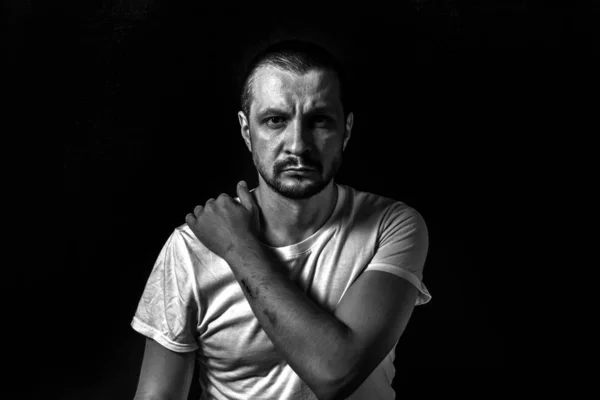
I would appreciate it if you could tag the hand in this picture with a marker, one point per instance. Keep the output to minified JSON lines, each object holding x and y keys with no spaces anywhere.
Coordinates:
{"x":224,"y":224}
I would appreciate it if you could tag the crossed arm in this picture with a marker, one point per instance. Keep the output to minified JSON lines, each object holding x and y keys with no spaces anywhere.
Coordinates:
{"x":332,"y":354}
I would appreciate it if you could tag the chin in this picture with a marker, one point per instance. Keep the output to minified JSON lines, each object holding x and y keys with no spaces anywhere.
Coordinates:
{"x":298,"y":189}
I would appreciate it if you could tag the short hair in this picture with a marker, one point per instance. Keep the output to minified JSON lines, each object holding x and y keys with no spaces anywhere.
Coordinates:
{"x":295,"y":56}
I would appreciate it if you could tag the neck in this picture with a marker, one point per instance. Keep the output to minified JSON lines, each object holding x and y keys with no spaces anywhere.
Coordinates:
{"x":285,"y":222}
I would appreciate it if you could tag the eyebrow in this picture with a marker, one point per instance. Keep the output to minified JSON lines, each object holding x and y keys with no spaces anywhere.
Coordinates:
{"x":279,"y":111}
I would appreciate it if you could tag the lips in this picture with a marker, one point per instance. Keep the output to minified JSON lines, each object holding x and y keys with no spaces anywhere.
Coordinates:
{"x":300,"y":169}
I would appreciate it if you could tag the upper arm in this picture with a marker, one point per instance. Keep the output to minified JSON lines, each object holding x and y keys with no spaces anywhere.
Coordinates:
{"x":165,"y":374}
{"x":376,"y":309}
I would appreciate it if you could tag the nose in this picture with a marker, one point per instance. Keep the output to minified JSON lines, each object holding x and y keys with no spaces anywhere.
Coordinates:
{"x":299,"y":139}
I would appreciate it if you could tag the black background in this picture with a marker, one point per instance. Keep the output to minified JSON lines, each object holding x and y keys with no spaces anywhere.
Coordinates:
{"x":452,"y":101}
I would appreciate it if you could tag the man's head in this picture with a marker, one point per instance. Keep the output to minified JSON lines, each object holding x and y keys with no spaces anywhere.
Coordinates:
{"x":295,"y":113}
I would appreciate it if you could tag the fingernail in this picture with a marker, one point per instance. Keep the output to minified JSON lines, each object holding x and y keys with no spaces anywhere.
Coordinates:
{"x":242,"y":183}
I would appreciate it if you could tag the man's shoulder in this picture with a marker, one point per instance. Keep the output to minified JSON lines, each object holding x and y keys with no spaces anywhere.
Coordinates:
{"x":184,"y":231}
{"x":183,"y":240}
{"x":377,"y":204}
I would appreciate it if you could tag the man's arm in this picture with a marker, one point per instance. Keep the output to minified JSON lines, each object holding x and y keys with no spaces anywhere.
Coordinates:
{"x":376,"y":308}
{"x":332,"y":354}
{"x":165,"y":374}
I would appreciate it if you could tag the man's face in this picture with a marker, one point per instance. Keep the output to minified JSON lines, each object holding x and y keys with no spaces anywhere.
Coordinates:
{"x":296,"y":122}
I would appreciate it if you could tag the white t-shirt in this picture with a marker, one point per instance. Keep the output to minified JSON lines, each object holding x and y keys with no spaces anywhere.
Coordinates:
{"x":192,"y":301}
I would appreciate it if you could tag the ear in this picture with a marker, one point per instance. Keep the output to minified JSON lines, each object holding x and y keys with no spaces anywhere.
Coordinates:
{"x":245,"y":129}
{"x":348,"y":133}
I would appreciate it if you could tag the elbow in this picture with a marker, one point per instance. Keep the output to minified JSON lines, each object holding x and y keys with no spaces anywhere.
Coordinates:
{"x":334,"y":392}
{"x":338,"y":387}
{"x":328,"y":393}
{"x":342,"y":377}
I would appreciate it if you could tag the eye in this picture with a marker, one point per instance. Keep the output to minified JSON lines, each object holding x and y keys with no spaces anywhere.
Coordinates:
{"x":275,"y":122}
{"x":322,"y":121}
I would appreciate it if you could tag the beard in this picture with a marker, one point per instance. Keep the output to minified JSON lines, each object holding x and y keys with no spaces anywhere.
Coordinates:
{"x":298,"y":186}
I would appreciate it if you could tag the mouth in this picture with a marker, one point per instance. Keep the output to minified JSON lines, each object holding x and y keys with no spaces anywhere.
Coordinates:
{"x":300,"y":170}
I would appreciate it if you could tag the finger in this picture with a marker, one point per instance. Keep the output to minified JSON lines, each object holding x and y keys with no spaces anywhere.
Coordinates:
{"x":209,"y":202}
{"x":223,"y":196}
{"x":190,"y":219}
{"x":198,"y":210}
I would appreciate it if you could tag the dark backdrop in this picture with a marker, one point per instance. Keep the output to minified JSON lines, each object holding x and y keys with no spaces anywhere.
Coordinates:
{"x":451,"y":101}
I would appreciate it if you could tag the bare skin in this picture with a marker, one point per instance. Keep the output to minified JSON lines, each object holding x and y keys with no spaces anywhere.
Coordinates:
{"x":295,"y":121}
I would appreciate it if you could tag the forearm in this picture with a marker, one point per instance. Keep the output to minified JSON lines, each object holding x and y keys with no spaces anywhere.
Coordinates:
{"x":311,"y":340}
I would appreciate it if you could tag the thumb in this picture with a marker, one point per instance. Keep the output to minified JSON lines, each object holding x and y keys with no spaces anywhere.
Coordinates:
{"x":245,"y":196}
{"x":248,"y":201}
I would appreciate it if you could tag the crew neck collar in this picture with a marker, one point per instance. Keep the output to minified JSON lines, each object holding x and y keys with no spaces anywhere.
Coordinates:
{"x":303,"y":246}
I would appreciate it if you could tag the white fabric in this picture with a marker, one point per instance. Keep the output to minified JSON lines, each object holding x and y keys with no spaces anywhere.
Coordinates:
{"x":192,"y":301}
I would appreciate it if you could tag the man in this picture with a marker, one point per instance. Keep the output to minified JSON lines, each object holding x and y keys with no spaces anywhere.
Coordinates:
{"x":299,"y":288}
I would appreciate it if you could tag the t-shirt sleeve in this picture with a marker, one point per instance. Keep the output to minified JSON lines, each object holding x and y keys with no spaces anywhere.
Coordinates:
{"x":402,"y":247}
{"x":168,"y":309}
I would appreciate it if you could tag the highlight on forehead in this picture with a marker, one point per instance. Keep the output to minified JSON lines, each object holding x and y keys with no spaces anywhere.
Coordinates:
{"x":277,"y":87}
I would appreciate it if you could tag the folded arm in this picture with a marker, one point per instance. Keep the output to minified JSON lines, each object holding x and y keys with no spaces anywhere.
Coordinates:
{"x":332,"y":354}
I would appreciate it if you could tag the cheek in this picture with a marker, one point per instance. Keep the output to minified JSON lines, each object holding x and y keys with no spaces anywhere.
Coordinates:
{"x":332,"y":145}
{"x":263,"y":152}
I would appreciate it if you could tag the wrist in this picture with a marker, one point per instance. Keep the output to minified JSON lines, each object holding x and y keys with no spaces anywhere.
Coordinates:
{"x":244,"y":250}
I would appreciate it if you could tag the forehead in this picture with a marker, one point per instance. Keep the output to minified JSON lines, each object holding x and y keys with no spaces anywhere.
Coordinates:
{"x":274,"y":87}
